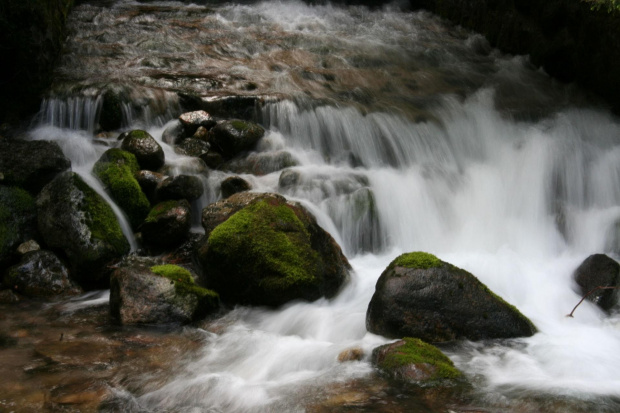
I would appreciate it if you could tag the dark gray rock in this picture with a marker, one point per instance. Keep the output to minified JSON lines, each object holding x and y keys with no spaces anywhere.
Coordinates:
{"x":193,"y":147}
{"x":167,"y":224}
{"x":40,"y":274}
{"x":145,"y":293}
{"x":420,"y":296}
{"x":599,"y":270}
{"x":149,"y":181}
{"x":145,"y":148}
{"x":180,"y":187}
{"x":191,"y":121}
{"x":260,"y":164}
{"x":73,"y":218}
{"x":231,"y":137}
{"x":30,"y":164}
{"x":233,"y":185}
{"x":18,"y":221}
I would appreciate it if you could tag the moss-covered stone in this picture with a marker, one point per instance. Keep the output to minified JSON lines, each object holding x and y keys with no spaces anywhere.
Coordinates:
{"x":72,"y":217}
{"x":17,"y":220}
{"x":267,"y":251}
{"x":167,"y":224}
{"x":184,"y":284}
{"x":416,"y":260}
{"x":413,"y":360}
{"x":116,"y":170}
{"x":420,"y":296}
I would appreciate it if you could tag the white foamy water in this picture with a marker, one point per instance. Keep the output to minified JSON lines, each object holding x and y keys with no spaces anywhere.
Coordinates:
{"x":442,"y":145}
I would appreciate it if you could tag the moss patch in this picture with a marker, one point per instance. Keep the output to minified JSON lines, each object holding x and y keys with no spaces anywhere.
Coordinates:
{"x":240,"y":125}
{"x":100,"y":218}
{"x":416,"y":351}
{"x":262,"y":230}
{"x":160,"y":210}
{"x":184,"y":284}
{"x":422,"y":260}
{"x":116,"y":170}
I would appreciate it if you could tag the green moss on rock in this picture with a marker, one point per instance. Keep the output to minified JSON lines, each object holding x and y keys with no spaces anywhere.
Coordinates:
{"x":413,"y":360}
{"x":422,"y":260}
{"x":184,"y":286}
{"x":160,"y":209}
{"x":100,"y":218}
{"x":274,"y":240}
{"x":173,"y":272}
{"x":116,"y":170}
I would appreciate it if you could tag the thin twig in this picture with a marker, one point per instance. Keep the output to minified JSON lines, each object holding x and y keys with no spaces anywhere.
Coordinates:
{"x":600,"y":287}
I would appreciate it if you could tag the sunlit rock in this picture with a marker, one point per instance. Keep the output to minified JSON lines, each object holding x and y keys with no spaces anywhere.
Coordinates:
{"x":420,"y":296}
{"x":599,"y":270}
{"x":261,"y":249}
{"x":191,"y":121}
{"x":116,"y":170}
{"x":30,"y":164}
{"x":145,"y":148}
{"x":73,"y":218}
{"x":144,"y":293}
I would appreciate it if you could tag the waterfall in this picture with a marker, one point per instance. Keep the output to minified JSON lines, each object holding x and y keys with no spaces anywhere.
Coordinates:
{"x":407,"y":134}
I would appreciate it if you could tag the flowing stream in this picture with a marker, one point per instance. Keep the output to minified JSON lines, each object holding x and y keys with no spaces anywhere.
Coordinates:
{"x":461,"y":151}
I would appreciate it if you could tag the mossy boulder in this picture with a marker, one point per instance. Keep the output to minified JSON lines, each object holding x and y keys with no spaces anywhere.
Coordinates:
{"x":30,"y":164}
{"x":418,"y":295}
{"x":76,"y":220}
{"x":116,"y":170}
{"x":145,"y":148}
{"x":230,"y":137}
{"x":599,"y":270}
{"x":143,"y":292}
{"x":18,"y":221}
{"x":261,"y":249}
{"x":167,"y":224}
{"x":40,"y":274}
{"x":414,"y":361}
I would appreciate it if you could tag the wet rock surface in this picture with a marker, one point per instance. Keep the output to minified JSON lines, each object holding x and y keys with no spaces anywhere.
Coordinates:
{"x":599,"y":270}
{"x":148,"y":152}
{"x":420,"y":296}
{"x":167,"y":224}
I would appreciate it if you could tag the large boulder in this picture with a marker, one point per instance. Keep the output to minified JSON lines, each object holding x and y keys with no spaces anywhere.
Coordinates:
{"x":420,"y":296}
{"x":144,"y":293}
{"x":73,"y":218}
{"x":40,"y":274}
{"x":413,"y":361}
{"x":145,"y":148}
{"x":116,"y":170}
{"x":30,"y":164}
{"x":599,"y":270}
{"x":18,"y":221}
{"x":231,"y":137}
{"x":167,"y":224}
{"x":261,"y":249}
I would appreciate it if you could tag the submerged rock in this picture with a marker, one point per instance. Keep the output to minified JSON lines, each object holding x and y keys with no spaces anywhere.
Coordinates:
{"x":420,"y":296}
{"x":167,"y":224}
{"x":145,"y":148}
{"x":40,"y":274}
{"x":414,"y":361}
{"x":75,"y":219}
{"x":231,"y":137}
{"x":260,"y":164}
{"x":116,"y":169}
{"x":233,"y":185}
{"x":261,"y":249}
{"x":30,"y":164}
{"x":599,"y":270}
{"x":18,"y":221}
{"x":143,"y":293}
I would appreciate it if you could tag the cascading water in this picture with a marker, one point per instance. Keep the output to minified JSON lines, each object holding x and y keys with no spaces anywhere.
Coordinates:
{"x":407,"y":135}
